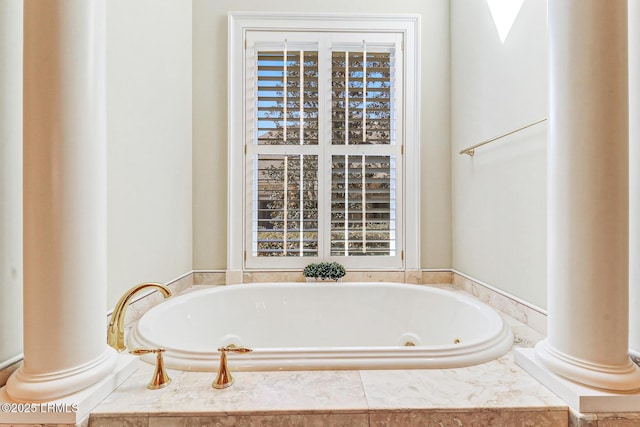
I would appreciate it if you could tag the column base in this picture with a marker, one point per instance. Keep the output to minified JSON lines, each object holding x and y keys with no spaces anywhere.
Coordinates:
{"x":25,"y":387}
{"x":71,"y":409}
{"x":617,"y":379}
{"x":580,"y":397}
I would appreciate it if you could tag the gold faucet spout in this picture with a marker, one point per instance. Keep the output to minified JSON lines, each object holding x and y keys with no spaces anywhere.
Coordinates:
{"x":115,"y":330}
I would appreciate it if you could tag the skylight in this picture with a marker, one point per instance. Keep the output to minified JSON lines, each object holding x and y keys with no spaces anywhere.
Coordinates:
{"x":504,"y":13}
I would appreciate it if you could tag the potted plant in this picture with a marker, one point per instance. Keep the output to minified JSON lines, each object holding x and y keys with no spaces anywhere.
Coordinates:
{"x":324,"y":271}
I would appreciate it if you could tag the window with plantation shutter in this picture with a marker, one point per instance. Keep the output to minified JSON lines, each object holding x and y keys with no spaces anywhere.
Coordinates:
{"x":324,"y":138}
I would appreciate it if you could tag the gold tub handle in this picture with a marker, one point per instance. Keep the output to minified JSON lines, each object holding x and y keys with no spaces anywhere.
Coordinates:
{"x":224,"y":378}
{"x":160,"y":378}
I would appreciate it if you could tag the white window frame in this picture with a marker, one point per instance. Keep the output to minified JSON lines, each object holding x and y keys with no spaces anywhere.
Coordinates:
{"x":242,"y":22}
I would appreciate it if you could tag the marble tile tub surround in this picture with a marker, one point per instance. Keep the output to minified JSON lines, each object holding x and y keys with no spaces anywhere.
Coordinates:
{"x":497,"y":393}
{"x":534,"y":317}
{"x":222,"y":277}
{"x":445,"y":278}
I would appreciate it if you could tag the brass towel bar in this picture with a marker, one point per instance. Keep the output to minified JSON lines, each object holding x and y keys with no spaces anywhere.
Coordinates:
{"x":471,"y":150}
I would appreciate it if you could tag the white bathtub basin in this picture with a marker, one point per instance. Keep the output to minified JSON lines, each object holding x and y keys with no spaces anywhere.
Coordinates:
{"x":303,"y":326}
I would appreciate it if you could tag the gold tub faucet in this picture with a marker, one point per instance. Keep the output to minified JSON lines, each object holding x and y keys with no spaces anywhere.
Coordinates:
{"x":115,"y":330}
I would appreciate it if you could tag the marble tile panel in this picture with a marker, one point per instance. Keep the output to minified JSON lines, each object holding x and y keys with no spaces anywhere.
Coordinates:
{"x":133,"y":397}
{"x":437,"y":277}
{"x":577,"y":419}
{"x":179,"y":285}
{"x":37,"y":425}
{"x":272,"y":276}
{"x":496,"y":384}
{"x":196,"y":288}
{"x":413,"y":277}
{"x":621,"y":419}
{"x":280,"y":420}
{"x":119,"y":421}
{"x":275,"y":391}
{"x":374,"y":276}
{"x":527,"y":315}
{"x":84,"y":423}
{"x":233,"y":277}
{"x":191,"y":393}
{"x":209,"y":277}
{"x":410,"y":276}
{"x":485,"y":418}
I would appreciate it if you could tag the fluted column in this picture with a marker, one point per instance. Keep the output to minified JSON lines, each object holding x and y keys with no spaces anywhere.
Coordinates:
{"x":64,"y":200}
{"x":634,"y":177}
{"x":588,"y":196}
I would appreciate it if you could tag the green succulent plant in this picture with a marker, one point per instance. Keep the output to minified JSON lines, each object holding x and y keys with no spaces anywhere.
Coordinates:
{"x":324,"y":271}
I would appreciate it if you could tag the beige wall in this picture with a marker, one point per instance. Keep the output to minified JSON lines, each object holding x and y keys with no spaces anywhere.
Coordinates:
{"x":10,"y":179}
{"x":210,"y":119}
{"x":149,"y":142}
{"x":499,"y":195}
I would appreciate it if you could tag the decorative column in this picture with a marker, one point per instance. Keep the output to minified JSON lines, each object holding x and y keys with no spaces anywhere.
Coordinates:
{"x":588,"y":196}
{"x":65,"y":265}
{"x":634,"y":178}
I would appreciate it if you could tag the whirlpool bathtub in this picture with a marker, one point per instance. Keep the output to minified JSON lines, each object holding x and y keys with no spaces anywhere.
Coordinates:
{"x":305,"y":326}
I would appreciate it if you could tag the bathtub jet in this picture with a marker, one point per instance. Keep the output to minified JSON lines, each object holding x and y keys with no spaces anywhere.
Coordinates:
{"x":310,"y":326}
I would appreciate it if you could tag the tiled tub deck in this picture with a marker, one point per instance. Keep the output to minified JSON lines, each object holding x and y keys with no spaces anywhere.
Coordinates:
{"x":497,"y":393}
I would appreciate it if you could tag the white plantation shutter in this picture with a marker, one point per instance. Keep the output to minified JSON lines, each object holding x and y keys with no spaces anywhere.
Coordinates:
{"x":363,"y":186}
{"x":284,"y":185}
{"x":363,"y":205}
{"x":323,"y":150}
{"x":285,"y":200}
{"x":287,"y":117}
{"x":363,"y":97}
